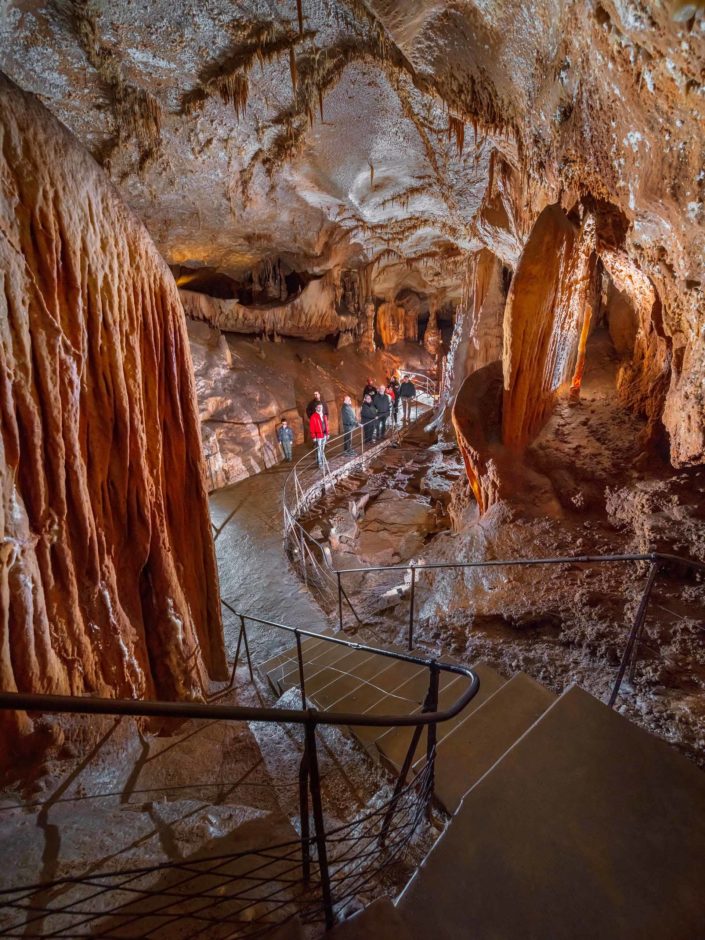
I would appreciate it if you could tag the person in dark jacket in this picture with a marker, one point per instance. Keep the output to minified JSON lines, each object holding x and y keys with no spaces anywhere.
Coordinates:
{"x":407,"y":393}
{"x":384,"y":406}
{"x":370,"y":389}
{"x":318,"y":426}
{"x":285,"y":436}
{"x":349,"y":423}
{"x":368,"y":415}
{"x":393,"y":392}
{"x":313,"y":404}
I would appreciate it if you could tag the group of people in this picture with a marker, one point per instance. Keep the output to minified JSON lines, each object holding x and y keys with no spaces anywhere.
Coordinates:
{"x":380,"y":403}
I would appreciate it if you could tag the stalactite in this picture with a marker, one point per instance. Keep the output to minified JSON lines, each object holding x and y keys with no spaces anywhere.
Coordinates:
{"x":372,"y":174}
{"x":234,"y":90}
{"x":456,"y":129}
{"x":292,"y":69}
{"x":300,"y":16}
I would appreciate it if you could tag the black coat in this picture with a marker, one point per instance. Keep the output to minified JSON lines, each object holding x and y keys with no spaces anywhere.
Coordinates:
{"x":367,"y":412}
{"x":369,"y":390}
{"x":311,"y":407}
{"x":382,"y":404}
{"x":407,"y":390}
{"x":347,"y":417}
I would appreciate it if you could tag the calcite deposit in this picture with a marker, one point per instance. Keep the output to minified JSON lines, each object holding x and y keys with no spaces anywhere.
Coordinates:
{"x":107,"y":573}
{"x":405,"y":146}
{"x":518,"y":186}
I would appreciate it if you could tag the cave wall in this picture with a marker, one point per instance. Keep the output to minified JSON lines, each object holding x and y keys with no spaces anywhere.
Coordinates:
{"x":107,"y":575}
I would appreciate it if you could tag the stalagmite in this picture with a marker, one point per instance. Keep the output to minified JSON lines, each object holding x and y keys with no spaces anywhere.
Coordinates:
{"x":107,"y":577}
{"x":543,"y":320}
{"x":390,"y":323}
{"x":367,"y":335}
{"x":432,"y":336}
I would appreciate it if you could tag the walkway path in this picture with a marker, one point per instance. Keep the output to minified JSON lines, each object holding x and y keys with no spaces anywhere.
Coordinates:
{"x":255,"y":576}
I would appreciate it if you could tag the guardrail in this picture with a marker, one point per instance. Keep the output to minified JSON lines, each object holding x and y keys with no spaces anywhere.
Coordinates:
{"x":254,"y":890}
{"x":307,"y":481}
{"x":313,"y":558}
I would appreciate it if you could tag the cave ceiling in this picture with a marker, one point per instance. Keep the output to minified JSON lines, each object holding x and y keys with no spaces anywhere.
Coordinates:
{"x":405,"y":133}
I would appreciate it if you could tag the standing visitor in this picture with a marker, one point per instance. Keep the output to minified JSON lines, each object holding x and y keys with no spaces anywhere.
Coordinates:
{"x":407,"y":393}
{"x":384,"y":406}
{"x":368,"y":415}
{"x":349,"y":422}
{"x":285,"y":436}
{"x":393,"y":392}
{"x":318,"y":426}
{"x":314,"y":403}
{"x":369,"y":389}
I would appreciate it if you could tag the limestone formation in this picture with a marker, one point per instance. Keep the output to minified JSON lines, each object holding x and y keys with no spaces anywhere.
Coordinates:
{"x":312,"y":315}
{"x":367,"y":335}
{"x":432,"y":335}
{"x":415,"y":137}
{"x":543,"y":321}
{"x":391,"y":320}
{"x":107,"y":575}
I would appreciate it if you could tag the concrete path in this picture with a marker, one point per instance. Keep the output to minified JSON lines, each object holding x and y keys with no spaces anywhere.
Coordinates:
{"x":255,"y":575}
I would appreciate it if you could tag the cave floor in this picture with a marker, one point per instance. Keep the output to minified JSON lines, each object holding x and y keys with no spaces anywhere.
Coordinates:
{"x":255,"y":575}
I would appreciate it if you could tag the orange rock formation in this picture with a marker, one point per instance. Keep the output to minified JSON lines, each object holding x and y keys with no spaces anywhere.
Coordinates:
{"x":107,"y":576}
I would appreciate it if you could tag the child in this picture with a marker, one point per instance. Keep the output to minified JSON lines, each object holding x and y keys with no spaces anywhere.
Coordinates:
{"x":285,"y":436}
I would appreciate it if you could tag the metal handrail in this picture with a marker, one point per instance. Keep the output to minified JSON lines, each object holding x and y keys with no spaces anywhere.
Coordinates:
{"x":296,"y":498}
{"x":309,"y":718}
{"x":657,"y":560}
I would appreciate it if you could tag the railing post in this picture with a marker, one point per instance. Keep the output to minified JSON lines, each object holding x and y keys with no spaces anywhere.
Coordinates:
{"x":411,"y":607}
{"x":303,"y":812}
{"x":247,"y":646}
{"x":319,"y":827}
{"x":635,"y":631}
{"x":432,"y":702}
{"x":299,"y":654}
{"x":401,"y":780}
{"x":340,"y":603}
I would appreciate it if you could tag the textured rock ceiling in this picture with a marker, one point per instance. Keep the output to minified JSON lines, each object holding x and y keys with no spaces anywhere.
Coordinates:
{"x":239,"y":135}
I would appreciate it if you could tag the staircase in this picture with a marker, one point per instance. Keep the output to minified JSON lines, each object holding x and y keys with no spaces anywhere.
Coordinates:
{"x":568,"y":821}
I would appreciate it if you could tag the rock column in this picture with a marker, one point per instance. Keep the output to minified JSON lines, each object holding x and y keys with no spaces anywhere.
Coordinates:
{"x":108,"y":581}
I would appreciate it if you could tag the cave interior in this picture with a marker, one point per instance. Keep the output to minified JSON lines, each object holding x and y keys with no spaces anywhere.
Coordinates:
{"x":210,"y":212}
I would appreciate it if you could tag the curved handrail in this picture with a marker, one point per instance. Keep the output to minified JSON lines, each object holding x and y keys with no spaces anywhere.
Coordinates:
{"x":145,"y":708}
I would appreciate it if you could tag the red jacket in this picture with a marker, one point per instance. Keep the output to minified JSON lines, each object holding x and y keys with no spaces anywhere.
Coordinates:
{"x":318,"y":426}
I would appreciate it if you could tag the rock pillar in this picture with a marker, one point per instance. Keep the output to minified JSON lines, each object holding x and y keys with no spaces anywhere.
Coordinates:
{"x":107,"y":571}
{"x":432,"y":336}
{"x":367,"y":336}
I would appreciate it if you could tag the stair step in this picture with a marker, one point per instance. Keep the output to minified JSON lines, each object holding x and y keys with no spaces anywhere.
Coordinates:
{"x":340,"y":685}
{"x":365,"y":696}
{"x":405,"y":699}
{"x":588,"y":826}
{"x":393,"y":744}
{"x":314,"y":660}
{"x":273,"y":668}
{"x":379,"y":921}
{"x":352,"y":664}
{"x":478,"y":742}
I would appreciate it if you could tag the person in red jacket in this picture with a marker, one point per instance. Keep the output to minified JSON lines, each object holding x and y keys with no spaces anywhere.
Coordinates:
{"x":318,"y":426}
